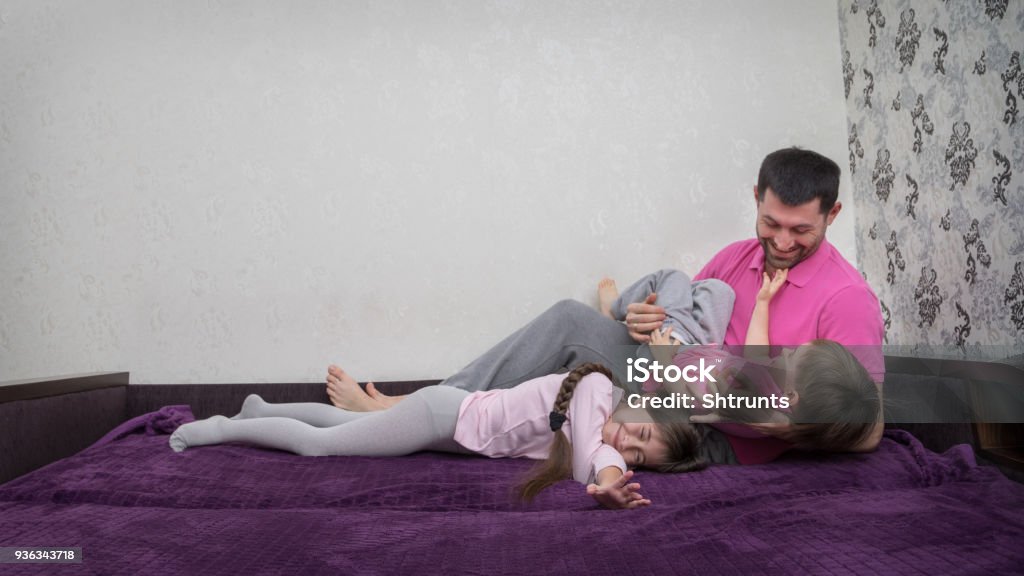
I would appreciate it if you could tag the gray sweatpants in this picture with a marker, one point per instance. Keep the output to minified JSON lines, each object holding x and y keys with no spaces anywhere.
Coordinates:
{"x":423,"y":421}
{"x":570,"y":332}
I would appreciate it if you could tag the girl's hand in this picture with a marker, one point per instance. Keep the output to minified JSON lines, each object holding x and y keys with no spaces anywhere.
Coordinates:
{"x":618,"y":495}
{"x":770,"y":285}
{"x":660,"y":342}
{"x":661,"y":337}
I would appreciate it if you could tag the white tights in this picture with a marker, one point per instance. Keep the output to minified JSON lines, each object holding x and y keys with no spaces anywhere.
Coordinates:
{"x":425,"y":420}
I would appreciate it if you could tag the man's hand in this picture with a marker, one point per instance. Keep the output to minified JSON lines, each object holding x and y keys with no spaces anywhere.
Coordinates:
{"x":618,"y":495}
{"x":643,"y":317}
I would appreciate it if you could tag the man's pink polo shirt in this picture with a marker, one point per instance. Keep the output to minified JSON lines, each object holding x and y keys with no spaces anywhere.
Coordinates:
{"x":823,"y":297}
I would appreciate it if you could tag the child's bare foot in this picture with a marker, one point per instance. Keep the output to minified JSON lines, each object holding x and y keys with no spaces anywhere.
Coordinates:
{"x":346,"y":394}
{"x":382,"y":398}
{"x":607,"y":292}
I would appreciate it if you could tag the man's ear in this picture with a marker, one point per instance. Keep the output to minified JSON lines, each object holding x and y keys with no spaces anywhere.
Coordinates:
{"x":757,"y":195}
{"x":833,"y":213}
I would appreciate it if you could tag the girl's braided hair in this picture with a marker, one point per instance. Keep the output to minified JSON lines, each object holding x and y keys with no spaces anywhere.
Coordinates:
{"x":558,"y":465}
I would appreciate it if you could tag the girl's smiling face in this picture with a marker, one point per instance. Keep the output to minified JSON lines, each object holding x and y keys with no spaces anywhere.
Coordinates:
{"x":641,"y":443}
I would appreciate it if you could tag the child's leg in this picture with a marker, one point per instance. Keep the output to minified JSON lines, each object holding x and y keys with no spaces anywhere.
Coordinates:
{"x":697,"y":312}
{"x":312,"y":413}
{"x":423,"y":421}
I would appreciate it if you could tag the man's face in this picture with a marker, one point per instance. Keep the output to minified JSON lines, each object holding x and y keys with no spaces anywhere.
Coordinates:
{"x":790,"y":234}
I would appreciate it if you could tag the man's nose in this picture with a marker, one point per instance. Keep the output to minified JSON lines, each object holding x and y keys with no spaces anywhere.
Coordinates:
{"x":783,"y":241}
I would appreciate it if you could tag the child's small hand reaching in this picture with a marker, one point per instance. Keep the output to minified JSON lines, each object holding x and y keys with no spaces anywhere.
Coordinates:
{"x":663,"y":345}
{"x":663,"y":337}
{"x":770,"y":285}
{"x":757,"y":331}
{"x":618,"y":494}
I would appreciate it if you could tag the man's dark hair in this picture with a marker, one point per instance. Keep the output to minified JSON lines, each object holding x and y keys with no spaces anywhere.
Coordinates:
{"x":799,"y":176}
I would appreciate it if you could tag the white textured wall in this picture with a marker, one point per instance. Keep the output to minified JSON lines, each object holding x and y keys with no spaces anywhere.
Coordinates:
{"x":205,"y":191}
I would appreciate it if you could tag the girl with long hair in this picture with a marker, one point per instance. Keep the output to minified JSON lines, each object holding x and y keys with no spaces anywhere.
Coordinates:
{"x":574,"y":423}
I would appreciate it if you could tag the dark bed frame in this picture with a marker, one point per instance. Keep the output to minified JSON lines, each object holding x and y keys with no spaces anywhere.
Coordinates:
{"x":45,"y":420}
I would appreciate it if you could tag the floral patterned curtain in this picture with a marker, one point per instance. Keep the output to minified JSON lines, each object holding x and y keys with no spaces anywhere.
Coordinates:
{"x":934,"y":92}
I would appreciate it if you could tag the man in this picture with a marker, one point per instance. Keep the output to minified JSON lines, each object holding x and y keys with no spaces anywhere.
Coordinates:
{"x":824,"y":297}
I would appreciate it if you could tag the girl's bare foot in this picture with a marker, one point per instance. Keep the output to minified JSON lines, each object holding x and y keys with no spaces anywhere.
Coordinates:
{"x":346,"y":394}
{"x":607,"y":292}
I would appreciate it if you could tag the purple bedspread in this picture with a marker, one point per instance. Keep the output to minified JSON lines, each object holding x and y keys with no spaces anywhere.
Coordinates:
{"x":135,"y":506}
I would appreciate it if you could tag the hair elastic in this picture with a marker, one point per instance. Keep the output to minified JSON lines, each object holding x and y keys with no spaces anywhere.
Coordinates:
{"x":556,"y":419}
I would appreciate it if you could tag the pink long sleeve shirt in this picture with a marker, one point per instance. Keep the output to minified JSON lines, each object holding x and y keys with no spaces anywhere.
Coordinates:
{"x":513,"y":422}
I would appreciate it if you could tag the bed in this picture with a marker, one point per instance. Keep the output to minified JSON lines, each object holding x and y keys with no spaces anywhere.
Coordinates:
{"x":134,"y":506}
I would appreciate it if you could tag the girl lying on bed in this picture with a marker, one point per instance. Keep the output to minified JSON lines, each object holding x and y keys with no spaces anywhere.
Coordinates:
{"x":575,"y":421}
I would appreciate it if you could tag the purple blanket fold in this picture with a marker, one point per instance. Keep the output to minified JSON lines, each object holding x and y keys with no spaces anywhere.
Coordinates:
{"x":135,"y":506}
{"x":164,"y":421}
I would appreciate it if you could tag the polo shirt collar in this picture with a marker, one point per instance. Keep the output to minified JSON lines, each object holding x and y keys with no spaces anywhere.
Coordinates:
{"x":802,"y":273}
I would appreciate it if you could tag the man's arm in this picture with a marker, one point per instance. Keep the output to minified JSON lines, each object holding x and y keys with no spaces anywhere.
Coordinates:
{"x":696,"y":313}
{"x":644,"y":317}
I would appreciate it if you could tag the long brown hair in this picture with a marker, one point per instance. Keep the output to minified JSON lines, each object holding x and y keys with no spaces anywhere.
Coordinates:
{"x":683,"y":442}
{"x":838,"y":404}
{"x":681,"y":438}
